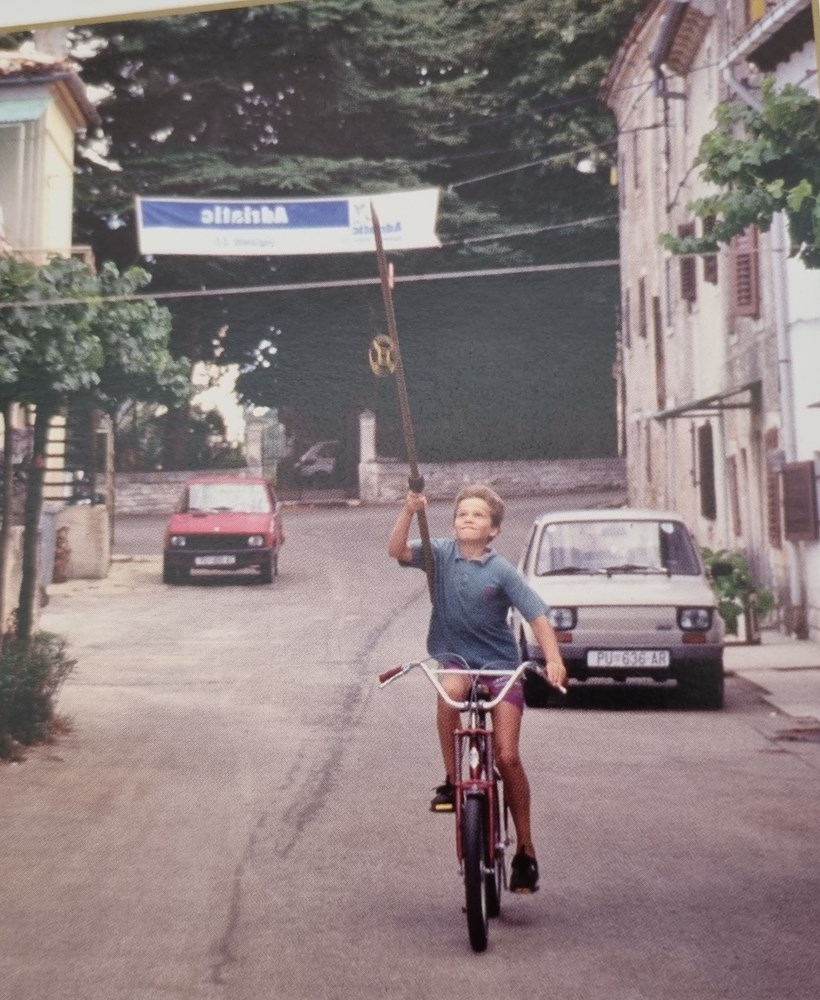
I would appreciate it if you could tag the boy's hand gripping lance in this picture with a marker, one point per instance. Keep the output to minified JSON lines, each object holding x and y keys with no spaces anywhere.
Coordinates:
{"x":415,"y":479}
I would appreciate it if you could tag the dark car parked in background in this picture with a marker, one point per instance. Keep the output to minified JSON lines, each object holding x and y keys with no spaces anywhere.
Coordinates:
{"x":224,"y":523}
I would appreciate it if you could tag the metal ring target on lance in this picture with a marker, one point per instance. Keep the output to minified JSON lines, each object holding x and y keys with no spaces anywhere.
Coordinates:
{"x":381,"y":356}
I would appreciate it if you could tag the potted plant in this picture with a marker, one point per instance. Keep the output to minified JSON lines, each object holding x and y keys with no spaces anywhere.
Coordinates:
{"x":737,"y":593}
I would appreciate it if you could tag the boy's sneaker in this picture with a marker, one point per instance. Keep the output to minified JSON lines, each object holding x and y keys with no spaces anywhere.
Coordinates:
{"x":524,"y":877}
{"x":444,"y":801}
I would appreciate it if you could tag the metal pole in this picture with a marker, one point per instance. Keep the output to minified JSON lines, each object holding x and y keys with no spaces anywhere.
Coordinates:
{"x":415,"y":479}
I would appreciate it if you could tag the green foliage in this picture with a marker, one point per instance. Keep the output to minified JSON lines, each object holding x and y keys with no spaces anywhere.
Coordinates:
{"x":736,"y":591}
{"x":58,"y":338}
{"x":31,"y":675}
{"x":48,"y":349}
{"x":763,"y":162}
{"x":342,"y":96}
{"x":140,"y":441}
{"x":337,"y":97}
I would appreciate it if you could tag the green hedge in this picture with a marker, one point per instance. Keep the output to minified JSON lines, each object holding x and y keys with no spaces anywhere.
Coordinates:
{"x":31,"y":675}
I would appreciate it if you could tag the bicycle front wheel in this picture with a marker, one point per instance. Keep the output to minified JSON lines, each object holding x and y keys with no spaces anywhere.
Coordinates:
{"x":475,"y":881}
{"x":494,"y":878}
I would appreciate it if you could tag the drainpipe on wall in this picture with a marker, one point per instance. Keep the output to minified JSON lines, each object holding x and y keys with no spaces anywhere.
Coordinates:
{"x":779,"y":249}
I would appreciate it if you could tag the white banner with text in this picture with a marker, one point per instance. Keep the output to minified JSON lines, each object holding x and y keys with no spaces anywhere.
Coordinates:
{"x":247,"y":227}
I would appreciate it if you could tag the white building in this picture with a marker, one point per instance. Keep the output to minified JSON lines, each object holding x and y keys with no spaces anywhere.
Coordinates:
{"x":719,"y":355}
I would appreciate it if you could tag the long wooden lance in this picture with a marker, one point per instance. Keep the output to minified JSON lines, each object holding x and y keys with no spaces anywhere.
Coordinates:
{"x":415,"y":479}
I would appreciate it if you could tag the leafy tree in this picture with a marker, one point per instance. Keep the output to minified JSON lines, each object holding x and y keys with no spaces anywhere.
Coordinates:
{"x":61,"y":342}
{"x":345,"y":96}
{"x":764,"y":161}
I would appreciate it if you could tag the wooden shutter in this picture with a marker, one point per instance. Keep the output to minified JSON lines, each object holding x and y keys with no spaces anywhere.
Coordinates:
{"x":773,"y":518}
{"x":688,"y":268}
{"x":734,"y":495}
{"x":643,"y":321}
{"x":800,"y":502}
{"x":756,"y":9}
{"x":746,"y":273}
{"x":626,"y":321}
{"x":706,"y":469}
{"x":660,"y":355}
{"x":710,"y":261}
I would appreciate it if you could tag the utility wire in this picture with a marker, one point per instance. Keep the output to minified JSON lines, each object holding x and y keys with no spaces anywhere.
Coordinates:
{"x":530,"y":231}
{"x":490,"y":272}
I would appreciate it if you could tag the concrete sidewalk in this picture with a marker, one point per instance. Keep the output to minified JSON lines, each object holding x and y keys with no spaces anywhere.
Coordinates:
{"x":786,"y":670}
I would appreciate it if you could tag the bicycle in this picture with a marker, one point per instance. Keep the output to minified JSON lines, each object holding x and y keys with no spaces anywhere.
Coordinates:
{"x":481,"y":814}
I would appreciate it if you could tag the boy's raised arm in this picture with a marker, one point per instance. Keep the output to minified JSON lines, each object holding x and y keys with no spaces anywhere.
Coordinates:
{"x":397,"y":544}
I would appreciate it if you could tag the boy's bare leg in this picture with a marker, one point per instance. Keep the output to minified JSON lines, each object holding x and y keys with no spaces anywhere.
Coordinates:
{"x":448,"y":720}
{"x":507,"y":728}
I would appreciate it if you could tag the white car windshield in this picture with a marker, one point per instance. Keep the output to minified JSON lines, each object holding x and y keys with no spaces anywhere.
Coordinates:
{"x":245,"y":498}
{"x":611,"y":547}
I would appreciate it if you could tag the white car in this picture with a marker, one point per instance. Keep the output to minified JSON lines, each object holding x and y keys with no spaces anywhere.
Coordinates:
{"x":318,"y":464}
{"x":628,"y":596}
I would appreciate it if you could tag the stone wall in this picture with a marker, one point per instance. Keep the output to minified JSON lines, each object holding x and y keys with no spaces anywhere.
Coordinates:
{"x":385,"y":481}
{"x":156,"y":492}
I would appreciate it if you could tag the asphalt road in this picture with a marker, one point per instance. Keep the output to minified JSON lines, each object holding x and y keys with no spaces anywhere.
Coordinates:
{"x":238,"y":811}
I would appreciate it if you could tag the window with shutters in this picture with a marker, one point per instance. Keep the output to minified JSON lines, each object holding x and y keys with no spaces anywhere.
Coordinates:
{"x":800,"y":502}
{"x":746,"y":275}
{"x":773,"y":506}
{"x":688,"y":265}
{"x":706,"y":470}
{"x":710,"y":260}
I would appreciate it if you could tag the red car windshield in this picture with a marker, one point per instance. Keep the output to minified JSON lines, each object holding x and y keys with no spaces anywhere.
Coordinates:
{"x":244,"y":498}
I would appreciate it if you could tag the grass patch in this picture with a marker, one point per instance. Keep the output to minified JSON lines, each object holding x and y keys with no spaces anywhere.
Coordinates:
{"x":31,"y":675}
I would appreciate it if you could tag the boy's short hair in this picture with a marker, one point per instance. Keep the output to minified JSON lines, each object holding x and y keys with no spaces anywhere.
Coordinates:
{"x":490,"y":497}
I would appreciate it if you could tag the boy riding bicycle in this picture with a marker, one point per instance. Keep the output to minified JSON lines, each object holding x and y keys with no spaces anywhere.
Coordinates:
{"x":474,"y":590}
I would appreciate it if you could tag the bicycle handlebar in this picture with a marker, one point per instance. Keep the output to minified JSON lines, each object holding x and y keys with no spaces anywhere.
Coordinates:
{"x":432,"y":675}
{"x":388,"y":675}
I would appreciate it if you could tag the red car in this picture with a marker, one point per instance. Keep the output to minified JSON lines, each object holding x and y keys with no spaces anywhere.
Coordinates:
{"x":224,"y":523}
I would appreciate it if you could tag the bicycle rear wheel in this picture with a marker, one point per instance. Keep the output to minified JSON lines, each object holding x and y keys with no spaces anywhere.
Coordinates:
{"x":475,"y":879}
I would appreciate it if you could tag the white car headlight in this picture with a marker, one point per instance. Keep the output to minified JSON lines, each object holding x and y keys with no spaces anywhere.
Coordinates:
{"x":695,"y":619}
{"x":177,"y":541}
{"x":563,"y":619}
{"x":256,"y":541}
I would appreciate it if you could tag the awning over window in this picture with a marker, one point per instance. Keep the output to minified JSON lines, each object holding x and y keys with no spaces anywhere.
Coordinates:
{"x":22,"y":110}
{"x":711,"y":406}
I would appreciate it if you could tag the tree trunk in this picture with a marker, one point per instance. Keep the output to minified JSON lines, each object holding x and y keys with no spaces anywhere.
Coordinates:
{"x":31,"y":525}
{"x":5,"y":513}
{"x":175,"y":439}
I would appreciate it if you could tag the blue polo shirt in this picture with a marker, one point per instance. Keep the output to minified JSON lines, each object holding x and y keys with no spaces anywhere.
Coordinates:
{"x":472,"y":601}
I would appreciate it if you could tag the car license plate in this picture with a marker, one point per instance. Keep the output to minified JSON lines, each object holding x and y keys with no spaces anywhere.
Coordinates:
{"x":215,"y":561}
{"x":628,"y":658}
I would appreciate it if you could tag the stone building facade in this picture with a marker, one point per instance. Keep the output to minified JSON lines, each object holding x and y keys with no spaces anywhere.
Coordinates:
{"x":716,"y":397}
